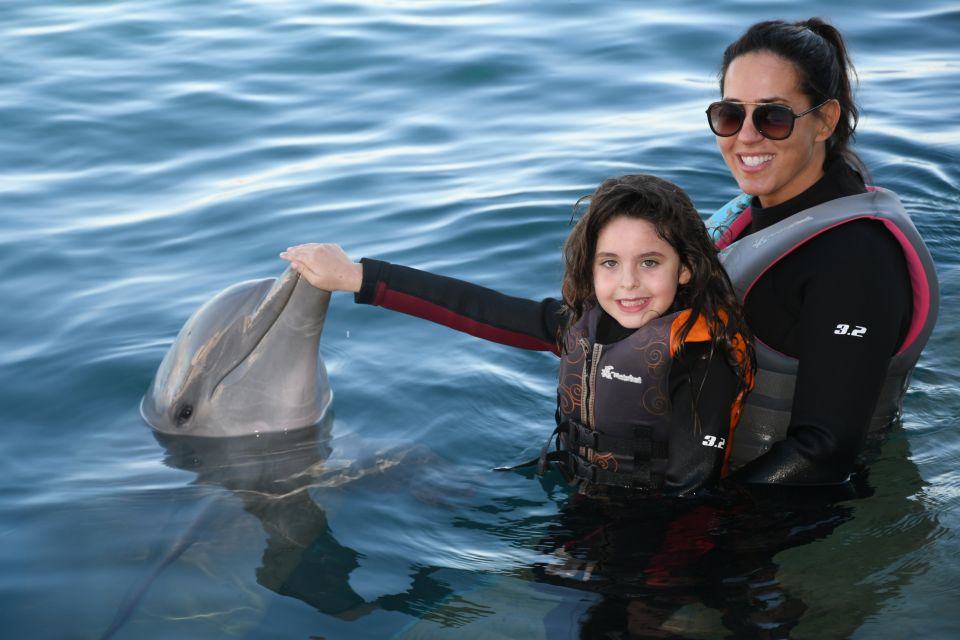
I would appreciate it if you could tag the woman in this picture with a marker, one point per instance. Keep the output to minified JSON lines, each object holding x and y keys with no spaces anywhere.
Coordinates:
{"x":838,"y":287}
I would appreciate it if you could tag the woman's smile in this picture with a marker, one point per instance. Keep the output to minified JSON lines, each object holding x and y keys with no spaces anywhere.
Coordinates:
{"x":755,"y":161}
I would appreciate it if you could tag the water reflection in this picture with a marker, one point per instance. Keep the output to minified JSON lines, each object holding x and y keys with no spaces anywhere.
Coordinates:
{"x":271,"y":474}
{"x":751,"y":564}
{"x":276,"y":476}
{"x":757,"y":563}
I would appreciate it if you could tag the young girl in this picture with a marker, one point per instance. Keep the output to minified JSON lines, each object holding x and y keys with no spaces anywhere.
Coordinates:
{"x":655,"y":357}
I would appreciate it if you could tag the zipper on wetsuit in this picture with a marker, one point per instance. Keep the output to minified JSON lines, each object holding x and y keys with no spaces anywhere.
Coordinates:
{"x":587,"y":406}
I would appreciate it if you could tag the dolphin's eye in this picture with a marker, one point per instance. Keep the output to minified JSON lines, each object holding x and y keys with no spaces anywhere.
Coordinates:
{"x":185,"y":412}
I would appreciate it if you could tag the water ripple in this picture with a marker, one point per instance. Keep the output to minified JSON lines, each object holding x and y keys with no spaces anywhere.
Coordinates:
{"x":157,"y":151}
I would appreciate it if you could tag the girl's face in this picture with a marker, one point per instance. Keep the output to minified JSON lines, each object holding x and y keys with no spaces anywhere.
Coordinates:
{"x":774,"y":170}
{"x":635,"y":272}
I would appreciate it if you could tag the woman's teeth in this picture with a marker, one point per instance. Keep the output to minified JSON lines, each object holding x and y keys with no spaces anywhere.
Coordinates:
{"x":756,"y":161}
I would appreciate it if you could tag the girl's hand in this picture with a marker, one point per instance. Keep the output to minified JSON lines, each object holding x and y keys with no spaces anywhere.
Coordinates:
{"x":325,"y":266}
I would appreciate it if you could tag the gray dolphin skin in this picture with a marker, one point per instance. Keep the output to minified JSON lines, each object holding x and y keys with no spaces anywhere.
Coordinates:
{"x":246,"y":362}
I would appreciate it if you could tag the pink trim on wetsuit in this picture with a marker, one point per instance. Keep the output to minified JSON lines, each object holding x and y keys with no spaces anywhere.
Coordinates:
{"x":918,"y":277}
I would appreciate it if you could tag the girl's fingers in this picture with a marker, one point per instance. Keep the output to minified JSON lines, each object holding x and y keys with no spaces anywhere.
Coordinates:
{"x":325,"y":266}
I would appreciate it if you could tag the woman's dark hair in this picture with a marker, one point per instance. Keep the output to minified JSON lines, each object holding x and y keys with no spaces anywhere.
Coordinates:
{"x":818,"y":52}
{"x":667,"y":207}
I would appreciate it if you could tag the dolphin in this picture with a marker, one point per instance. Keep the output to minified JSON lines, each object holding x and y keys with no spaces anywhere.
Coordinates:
{"x":246,"y":362}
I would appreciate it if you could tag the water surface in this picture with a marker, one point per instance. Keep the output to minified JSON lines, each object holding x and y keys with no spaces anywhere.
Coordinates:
{"x":154,"y":152}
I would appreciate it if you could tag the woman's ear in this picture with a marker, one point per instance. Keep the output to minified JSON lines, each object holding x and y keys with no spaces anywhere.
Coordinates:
{"x":829,"y":117}
{"x":685,"y":274}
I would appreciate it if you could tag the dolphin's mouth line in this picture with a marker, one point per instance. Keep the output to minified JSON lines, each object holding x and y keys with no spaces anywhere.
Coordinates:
{"x":283,"y":305}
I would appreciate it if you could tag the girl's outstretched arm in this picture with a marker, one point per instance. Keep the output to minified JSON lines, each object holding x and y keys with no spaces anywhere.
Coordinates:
{"x":460,"y":305}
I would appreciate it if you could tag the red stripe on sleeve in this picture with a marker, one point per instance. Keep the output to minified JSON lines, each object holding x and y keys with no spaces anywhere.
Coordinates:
{"x":414,"y":306}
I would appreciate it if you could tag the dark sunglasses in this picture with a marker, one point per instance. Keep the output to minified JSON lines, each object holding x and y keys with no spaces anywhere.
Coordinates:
{"x":773,"y":121}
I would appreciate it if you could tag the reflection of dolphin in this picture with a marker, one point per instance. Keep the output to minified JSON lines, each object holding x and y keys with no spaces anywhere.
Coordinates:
{"x":278,"y":477}
{"x":272,"y":474}
{"x":246,"y":362}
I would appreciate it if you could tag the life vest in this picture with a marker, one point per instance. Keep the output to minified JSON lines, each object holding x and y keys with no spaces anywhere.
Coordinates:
{"x":613,"y":403}
{"x":766,"y":413}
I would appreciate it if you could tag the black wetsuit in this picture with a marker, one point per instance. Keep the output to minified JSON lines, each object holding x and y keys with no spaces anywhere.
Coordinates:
{"x":530,"y":324}
{"x":855,"y":274}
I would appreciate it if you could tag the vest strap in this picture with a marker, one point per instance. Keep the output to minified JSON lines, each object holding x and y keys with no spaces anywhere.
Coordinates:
{"x":774,"y":385}
{"x":642,"y":477}
{"x":638,"y":447}
{"x":541,"y":460}
{"x":573,"y":434}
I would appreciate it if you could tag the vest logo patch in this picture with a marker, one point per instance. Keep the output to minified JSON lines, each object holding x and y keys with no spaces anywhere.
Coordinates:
{"x":608,"y":373}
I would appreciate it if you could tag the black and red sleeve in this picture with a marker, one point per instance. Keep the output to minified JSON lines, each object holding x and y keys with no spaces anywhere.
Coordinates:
{"x":463,"y":306}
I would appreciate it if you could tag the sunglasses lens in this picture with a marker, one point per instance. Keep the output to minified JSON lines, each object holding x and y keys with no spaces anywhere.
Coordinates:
{"x":725,"y":118}
{"x":774,"y":121}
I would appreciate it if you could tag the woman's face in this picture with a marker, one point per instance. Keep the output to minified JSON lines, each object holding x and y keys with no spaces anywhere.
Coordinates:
{"x":774,"y":170}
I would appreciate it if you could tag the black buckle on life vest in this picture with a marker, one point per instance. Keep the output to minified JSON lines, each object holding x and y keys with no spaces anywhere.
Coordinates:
{"x":641,"y":478}
{"x":572,"y":435}
{"x":580,"y":435}
{"x":640,"y":446}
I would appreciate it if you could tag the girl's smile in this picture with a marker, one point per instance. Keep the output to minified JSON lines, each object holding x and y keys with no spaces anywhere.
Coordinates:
{"x":633,"y":305}
{"x":635,"y":272}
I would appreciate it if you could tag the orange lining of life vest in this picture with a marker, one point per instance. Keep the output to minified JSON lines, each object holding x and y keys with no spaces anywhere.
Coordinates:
{"x":700,"y":332}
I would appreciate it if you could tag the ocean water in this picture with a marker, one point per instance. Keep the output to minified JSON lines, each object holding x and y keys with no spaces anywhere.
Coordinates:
{"x":155,"y":152}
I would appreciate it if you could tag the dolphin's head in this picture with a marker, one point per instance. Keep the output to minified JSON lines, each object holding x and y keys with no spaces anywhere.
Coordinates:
{"x":246,"y":362}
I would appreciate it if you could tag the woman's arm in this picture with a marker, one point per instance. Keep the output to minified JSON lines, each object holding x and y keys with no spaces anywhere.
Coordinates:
{"x":460,"y":305}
